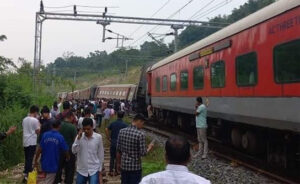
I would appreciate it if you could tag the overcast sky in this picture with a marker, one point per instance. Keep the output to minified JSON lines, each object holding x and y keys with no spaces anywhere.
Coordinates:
{"x":17,"y":21}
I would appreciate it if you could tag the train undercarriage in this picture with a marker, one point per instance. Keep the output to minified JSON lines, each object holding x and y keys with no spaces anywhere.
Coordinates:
{"x":273,"y":150}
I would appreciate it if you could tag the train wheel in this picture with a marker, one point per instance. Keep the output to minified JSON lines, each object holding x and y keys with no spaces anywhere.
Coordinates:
{"x":236,"y":137}
{"x":249,"y":142}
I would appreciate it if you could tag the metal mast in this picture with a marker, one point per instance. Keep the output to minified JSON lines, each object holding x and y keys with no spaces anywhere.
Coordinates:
{"x":105,"y":20}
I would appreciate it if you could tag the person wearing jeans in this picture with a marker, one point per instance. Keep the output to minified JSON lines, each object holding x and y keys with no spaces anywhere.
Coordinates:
{"x":31,"y":128}
{"x":90,"y":154}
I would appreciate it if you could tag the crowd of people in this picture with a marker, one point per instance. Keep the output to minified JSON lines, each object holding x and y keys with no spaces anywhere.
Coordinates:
{"x":65,"y":140}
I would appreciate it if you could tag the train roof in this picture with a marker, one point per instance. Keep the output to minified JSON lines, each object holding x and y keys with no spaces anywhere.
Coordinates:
{"x":119,"y":85}
{"x":247,"y":22}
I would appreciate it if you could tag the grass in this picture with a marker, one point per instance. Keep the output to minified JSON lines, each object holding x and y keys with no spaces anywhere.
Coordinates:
{"x":154,"y":161}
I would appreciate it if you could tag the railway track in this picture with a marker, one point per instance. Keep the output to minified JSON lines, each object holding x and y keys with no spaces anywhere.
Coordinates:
{"x":226,"y":153}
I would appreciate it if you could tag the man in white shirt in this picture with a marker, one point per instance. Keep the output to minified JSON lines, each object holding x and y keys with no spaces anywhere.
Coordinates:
{"x":177,"y":156}
{"x":90,"y":154}
{"x":31,"y":128}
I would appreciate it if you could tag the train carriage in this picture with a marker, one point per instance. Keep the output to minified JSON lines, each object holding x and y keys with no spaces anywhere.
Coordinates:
{"x":249,"y":76}
{"x":116,"y":91}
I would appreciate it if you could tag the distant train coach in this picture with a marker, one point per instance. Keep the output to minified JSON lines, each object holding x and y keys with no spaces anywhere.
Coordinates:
{"x":114,"y":91}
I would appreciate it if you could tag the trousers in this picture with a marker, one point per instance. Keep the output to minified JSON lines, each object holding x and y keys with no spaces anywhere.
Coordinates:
{"x":68,"y":166}
{"x":131,"y":177}
{"x":202,"y":139}
{"x":113,"y":154}
{"x":29,"y":154}
{"x":94,"y":179}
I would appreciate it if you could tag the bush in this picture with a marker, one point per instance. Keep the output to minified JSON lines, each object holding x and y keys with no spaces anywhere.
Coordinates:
{"x":16,"y":97}
{"x":11,"y":149}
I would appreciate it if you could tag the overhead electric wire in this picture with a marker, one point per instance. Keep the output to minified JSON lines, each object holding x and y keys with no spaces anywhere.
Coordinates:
{"x":185,"y":5}
{"x":201,"y":9}
{"x":151,"y":17}
{"x":207,"y":12}
{"x":180,"y":9}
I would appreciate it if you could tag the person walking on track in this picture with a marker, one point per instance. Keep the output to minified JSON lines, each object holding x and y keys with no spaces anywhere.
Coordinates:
{"x":51,"y":147}
{"x":31,"y":129}
{"x":177,"y":157}
{"x":69,"y":132}
{"x":131,"y":146}
{"x":90,"y":154}
{"x":201,"y":126}
{"x":114,"y":129}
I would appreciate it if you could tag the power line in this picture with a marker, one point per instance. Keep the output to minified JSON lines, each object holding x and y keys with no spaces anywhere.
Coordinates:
{"x":207,"y":12}
{"x":185,"y":5}
{"x":151,"y":17}
{"x":201,"y":9}
{"x":180,"y":9}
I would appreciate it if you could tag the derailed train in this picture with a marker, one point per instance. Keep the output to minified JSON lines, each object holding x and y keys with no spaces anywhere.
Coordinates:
{"x":114,"y":91}
{"x":249,"y":76}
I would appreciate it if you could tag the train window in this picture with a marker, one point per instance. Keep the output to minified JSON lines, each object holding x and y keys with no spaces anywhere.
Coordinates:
{"x":184,"y":80}
{"x":286,"y":62}
{"x":218,"y":74}
{"x":198,"y":77}
{"x":246,"y":69}
{"x":173,"y":82}
{"x":164,"y":83}
{"x":157,"y":84}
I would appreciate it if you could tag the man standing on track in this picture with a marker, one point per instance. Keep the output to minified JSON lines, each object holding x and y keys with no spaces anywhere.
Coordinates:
{"x":90,"y":154}
{"x":114,"y":129}
{"x":69,"y":132}
{"x":201,"y":126}
{"x":131,"y":146}
{"x":31,"y":128}
{"x":45,"y":121}
{"x":51,"y":147}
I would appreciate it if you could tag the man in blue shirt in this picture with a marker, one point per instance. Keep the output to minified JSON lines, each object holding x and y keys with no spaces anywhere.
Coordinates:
{"x":201,"y":126}
{"x":51,"y":146}
{"x":114,"y":129}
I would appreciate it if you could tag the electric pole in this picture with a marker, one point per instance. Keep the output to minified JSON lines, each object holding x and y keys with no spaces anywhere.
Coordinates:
{"x":53,"y":77}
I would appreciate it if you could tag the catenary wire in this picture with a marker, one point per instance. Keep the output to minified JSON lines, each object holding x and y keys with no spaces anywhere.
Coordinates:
{"x":151,"y":17}
{"x":181,"y":8}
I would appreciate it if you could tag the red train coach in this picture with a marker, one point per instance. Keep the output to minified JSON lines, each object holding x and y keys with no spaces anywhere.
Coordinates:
{"x":249,"y":76}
